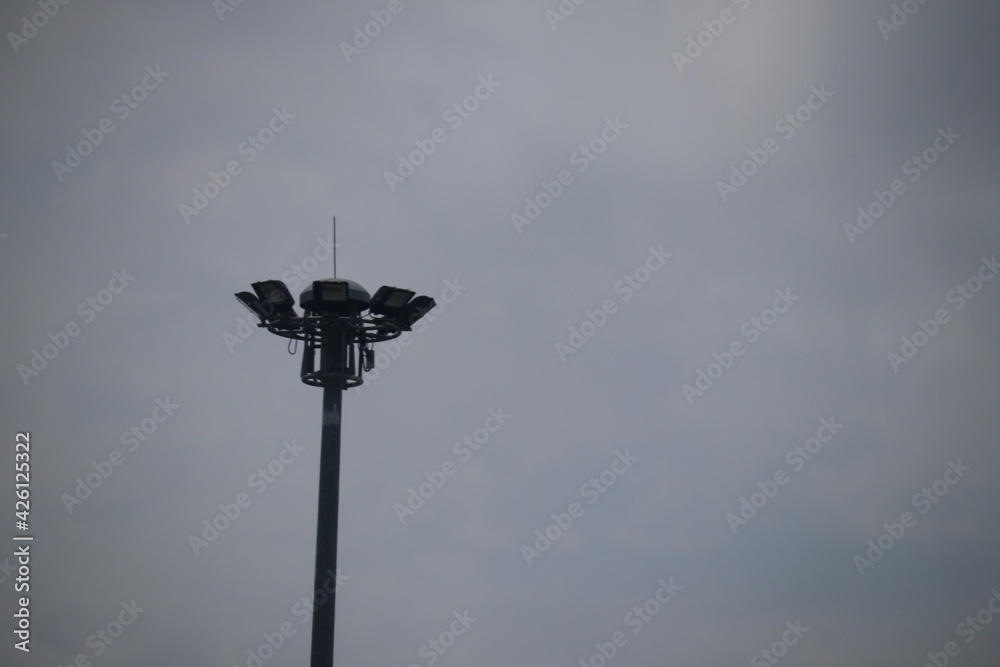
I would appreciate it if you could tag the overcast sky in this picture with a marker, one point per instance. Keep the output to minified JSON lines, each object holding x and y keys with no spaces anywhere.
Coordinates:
{"x":718,"y":314}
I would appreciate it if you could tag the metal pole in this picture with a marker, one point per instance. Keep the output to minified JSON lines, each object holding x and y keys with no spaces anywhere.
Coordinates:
{"x":333,"y":350}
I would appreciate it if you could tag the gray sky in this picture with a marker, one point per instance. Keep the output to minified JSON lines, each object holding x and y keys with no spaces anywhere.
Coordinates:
{"x":697,"y":170}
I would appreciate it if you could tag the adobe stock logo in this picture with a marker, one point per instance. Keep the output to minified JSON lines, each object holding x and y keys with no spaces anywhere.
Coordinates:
{"x":131,"y":440}
{"x":464,"y":449}
{"x":635,"y":620}
{"x":393,"y":349}
{"x":565,"y":9}
{"x":88,"y":310}
{"x":454,"y":116}
{"x":928,"y":329}
{"x":122,"y":106}
{"x":796,"y":458}
{"x":915,"y":168}
{"x":38,"y":20}
{"x":104,"y":637}
{"x":752,"y":329}
{"x":786,"y":126}
{"x":593,"y":490}
{"x":968,"y":629}
{"x":229,"y":512}
{"x":714,"y":28}
{"x":254,"y":145}
{"x":435,"y":647}
{"x":790,"y":637}
{"x":584,"y":156}
{"x":381,"y":18}
{"x":924,"y":501}
{"x":899,"y":16}
{"x":223,"y":7}
{"x":629,"y":284}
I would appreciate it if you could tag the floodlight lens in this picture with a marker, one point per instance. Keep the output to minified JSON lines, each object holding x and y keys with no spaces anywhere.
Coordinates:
{"x":414,"y":310}
{"x":331,"y":290}
{"x":398,"y":298}
{"x":388,"y":301}
{"x":255,"y":305}
{"x":274,"y":291}
{"x":275,"y":298}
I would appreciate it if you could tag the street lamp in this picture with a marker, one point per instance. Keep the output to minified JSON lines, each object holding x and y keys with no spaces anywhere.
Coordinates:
{"x":342,"y":323}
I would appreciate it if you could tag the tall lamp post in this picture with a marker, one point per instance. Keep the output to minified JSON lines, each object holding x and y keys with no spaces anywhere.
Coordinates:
{"x":342,"y":322}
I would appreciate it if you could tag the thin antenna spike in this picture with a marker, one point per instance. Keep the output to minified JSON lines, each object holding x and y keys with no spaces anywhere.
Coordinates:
{"x":334,"y":246}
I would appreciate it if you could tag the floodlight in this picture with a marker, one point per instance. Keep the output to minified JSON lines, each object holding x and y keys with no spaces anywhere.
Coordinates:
{"x":275,"y":294}
{"x":255,"y":305}
{"x":330,"y":290}
{"x":413,"y":311}
{"x":388,"y":301}
{"x":334,"y":296}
